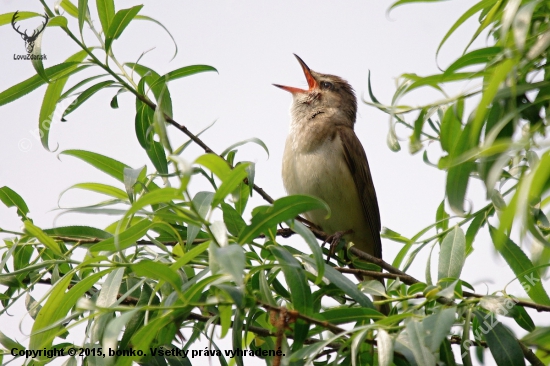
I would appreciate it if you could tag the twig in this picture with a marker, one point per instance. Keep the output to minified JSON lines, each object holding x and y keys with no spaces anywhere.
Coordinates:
{"x":405,"y":279}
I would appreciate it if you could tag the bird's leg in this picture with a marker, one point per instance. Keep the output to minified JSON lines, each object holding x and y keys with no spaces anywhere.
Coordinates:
{"x":334,"y":240}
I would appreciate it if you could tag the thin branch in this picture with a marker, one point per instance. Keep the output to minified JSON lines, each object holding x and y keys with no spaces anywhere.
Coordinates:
{"x":529,"y":355}
{"x":405,"y":279}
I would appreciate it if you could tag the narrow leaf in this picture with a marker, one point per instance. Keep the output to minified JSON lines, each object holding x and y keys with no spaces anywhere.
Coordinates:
{"x":503,"y":345}
{"x":85,"y":95}
{"x":125,"y":239}
{"x":522,"y":267}
{"x":106,"y":12}
{"x":283,"y":209}
{"x":107,"y":165}
{"x":452,"y":255}
{"x":11,"y":199}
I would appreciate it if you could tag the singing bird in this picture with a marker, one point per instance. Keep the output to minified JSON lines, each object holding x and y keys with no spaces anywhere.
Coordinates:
{"x":324,"y":158}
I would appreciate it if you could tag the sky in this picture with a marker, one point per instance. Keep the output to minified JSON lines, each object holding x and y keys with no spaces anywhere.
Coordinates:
{"x":251,"y":44}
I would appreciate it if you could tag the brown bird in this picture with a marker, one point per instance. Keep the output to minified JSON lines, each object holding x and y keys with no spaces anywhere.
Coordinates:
{"x":324,"y":158}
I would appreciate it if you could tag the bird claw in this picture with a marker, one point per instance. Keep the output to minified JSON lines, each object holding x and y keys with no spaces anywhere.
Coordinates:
{"x":334,"y":240}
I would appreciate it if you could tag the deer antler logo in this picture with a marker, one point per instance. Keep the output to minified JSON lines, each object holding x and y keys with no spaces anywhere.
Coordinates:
{"x":29,"y":40}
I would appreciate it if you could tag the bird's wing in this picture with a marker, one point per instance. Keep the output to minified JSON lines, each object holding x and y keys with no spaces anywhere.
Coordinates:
{"x":358,"y":165}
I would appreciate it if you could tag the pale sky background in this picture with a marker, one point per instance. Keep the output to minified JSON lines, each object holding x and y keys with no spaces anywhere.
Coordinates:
{"x":251,"y":44}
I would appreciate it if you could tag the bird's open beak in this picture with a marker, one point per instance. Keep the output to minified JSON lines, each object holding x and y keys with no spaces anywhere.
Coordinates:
{"x":311,"y":82}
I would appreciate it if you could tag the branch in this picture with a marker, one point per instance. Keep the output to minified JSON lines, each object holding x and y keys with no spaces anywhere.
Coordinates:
{"x":409,"y":280}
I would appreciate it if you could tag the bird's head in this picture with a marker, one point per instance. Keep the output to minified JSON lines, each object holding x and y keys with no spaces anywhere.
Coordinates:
{"x":327,"y":94}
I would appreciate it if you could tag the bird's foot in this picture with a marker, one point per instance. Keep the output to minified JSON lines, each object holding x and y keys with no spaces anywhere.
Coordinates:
{"x":334,"y":240}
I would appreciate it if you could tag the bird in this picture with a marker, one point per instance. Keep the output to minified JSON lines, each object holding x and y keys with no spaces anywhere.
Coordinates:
{"x":323,"y":157}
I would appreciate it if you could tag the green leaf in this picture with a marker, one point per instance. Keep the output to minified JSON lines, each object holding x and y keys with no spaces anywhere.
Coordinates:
{"x":190,"y":255}
{"x":78,"y":232}
{"x":451,"y":127}
{"x":314,"y":246}
{"x":300,"y":292}
{"x":25,"y":87}
{"x":121,"y":20}
{"x":540,"y":336}
{"x":69,"y":92}
{"x":346,"y":314}
{"x":503,"y":345}
{"x":388,"y":233}
{"x":237,"y":335}
{"x":230,"y":259}
{"x":452,"y":255}
{"x":51,"y":98}
{"x":11,"y":199}
{"x":522,"y":23}
{"x":230,"y":182}
{"x":58,"y":21}
{"x":459,"y":175}
{"x":160,"y":271}
{"x":111,"y":287}
{"x":114,"y":329}
{"x":85,"y":95}
{"x":21,"y":15}
{"x":469,"y":13}
{"x":157,"y":155}
{"x":457,"y":184}
{"x":103,"y":189}
{"x":215,"y":164}
{"x":434,"y":81}
{"x":385,"y":348}
{"x":163,"y":195}
{"x":417,"y":334}
{"x":184,"y":72}
{"x":522,"y":267}
{"x":415,"y":144}
{"x":37,"y":60}
{"x":9,"y":343}
{"x":439,"y":324}
{"x":107,"y":165}
{"x":83,"y":13}
{"x":157,"y":85}
{"x":106,"y":12}
{"x":283,"y":209}
{"x":233,"y":221}
{"x":57,"y":307}
{"x":295,"y":277}
{"x":446,"y":353}
{"x":42,"y":237}
{"x":523,"y":319}
{"x":497,"y":77}
{"x":114,"y":101}
{"x":442,"y":217}
{"x":201,"y":202}
{"x":144,"y":121}
{"x":141,"y":340}
{"x":480,"y":56}
{"x":344,"y":284}
{"x":472,"y":231}
{"x":240,"y":143}
{"x":225,"y":319}
{"x":125,"y":239}
{"x":69,"y":8}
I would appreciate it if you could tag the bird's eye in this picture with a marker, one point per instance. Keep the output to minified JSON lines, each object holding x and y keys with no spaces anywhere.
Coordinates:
{"x":327,"y":85}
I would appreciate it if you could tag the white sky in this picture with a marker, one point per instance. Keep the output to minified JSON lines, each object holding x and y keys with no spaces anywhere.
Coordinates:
{"x":251,"y":44}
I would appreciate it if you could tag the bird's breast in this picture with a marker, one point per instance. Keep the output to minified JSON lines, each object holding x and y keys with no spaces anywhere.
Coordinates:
{"x":322,"y":171}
